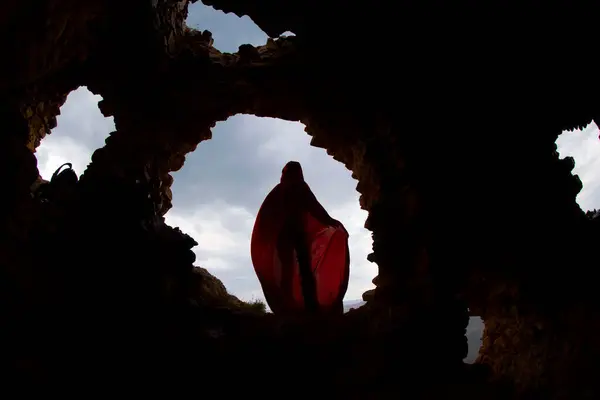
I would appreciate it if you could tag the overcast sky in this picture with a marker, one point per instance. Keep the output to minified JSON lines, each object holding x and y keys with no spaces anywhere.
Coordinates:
{"x":218,"y":192}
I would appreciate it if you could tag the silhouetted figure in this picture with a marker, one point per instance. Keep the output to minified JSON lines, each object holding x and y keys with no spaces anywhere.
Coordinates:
{"x":299,"y":252}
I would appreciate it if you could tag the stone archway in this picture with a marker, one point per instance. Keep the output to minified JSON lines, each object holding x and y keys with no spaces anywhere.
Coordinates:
{"x":153,"y":137}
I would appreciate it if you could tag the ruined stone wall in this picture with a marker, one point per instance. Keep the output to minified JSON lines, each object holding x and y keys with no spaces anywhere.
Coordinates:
{"x":532,"y":309}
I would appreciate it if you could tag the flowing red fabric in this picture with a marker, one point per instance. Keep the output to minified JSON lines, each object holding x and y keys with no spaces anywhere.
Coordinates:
{"x":274,"y":255}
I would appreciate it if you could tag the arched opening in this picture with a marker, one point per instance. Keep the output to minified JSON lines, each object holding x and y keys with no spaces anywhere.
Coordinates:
{"x":81,"y":128}
{"x":576,"y":158}
{"x":228,"y":31}
{"x":474,"y":335}
{"x":583,"y":146}
{"x":218,"y":192}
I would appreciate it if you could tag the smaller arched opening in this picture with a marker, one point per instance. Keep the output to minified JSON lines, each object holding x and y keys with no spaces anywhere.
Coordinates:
{"x":218,"y":192}
{"x":565,"y":169}
{"x":583,"y":146}
{"x":228,"y":31}
{"x":81,"y":128}
{"x":474,"y":335}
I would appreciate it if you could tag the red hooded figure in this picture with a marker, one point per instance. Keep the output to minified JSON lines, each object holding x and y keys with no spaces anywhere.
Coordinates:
{"x":300,"y":254}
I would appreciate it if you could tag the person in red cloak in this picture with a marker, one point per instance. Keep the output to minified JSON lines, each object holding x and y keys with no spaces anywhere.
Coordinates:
{"x":300,"y":254}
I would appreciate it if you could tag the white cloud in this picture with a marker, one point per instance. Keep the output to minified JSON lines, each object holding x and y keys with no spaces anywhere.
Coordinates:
{"x":284,"y":141}
{"x":584,"y":147}
{"x":214,"y":264}
{"x":216,"y":243}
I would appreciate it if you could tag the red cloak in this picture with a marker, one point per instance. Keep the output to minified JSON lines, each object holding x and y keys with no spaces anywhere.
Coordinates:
{"x":292,"y":222}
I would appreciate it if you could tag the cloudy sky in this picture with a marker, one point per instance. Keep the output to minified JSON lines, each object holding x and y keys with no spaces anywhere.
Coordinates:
{"x":219,"y":190}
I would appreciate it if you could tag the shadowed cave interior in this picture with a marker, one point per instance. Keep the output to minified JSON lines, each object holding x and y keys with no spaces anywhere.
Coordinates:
{"x":464,"y":223}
